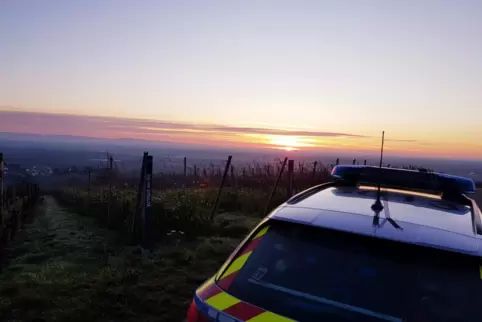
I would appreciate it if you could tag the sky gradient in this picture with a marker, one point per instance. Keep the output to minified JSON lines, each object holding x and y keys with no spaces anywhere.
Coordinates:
{"x":411,"y":68}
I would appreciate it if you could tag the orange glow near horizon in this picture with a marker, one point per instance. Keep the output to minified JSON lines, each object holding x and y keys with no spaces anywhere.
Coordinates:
{"x":257,"y":137}
{"x":288,"y":148}
{"x":287,"y":141}
{"x":283,"y":142}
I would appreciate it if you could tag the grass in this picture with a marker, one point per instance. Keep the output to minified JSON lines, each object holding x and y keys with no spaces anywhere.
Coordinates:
{"x":186,"y":210}
{"x":67,"y":268}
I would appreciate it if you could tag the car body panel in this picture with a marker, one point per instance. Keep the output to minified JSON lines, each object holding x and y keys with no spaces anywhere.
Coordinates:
{"x":360,"y":224}
{"x":408,"y":179}
{"x":425,"y":210}
{"x":424,"y":220}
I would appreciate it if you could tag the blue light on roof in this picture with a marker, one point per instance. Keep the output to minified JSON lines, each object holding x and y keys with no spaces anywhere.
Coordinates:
{"x":404,"y":179}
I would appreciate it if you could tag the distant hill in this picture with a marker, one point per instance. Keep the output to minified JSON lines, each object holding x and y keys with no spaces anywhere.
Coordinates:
{"x":69,"y":139}
{"x":67,"y":150}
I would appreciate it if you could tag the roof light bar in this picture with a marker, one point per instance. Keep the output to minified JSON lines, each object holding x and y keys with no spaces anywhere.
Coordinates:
{"x":404,"y":179}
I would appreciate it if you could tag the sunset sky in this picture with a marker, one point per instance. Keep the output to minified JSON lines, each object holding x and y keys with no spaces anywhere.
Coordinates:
{"x":261,"y":73}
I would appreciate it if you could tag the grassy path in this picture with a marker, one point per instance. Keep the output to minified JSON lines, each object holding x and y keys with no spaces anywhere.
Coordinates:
{"x":64,"y":268}
{"x":51,"y":266}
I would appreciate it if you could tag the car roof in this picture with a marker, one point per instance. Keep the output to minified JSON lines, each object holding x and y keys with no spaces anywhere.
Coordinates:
{"x":423,"y":219}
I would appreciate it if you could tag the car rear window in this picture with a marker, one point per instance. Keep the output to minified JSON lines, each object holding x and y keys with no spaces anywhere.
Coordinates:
{"x":313,"y":274}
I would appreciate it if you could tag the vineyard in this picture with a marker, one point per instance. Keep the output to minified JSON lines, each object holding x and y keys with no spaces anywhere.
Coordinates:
{"x":16,"y":202}
{"x":191,"y":202}
{"x":79,"y":259}
{"x":184,"y":202}
{"x":77,"y":249}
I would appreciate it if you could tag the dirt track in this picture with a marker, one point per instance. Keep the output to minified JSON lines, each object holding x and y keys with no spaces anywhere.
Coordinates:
{"x":49,"y":266}
{"x":63,"y":267}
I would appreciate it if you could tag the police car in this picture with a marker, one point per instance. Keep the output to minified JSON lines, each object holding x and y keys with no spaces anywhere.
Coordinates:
{"x":376,"y":244}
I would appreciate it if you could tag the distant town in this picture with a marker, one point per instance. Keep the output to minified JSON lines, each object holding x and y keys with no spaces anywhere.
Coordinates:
{"x":49,"y":161}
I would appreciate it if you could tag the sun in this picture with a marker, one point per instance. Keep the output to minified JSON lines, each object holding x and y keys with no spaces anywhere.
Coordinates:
{"x":288,"y":142}
{"x":288,"y":148}
{"x":285,"y":141}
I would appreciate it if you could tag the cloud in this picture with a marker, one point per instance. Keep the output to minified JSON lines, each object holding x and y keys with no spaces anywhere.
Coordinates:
{"x":254,"y":130}
{"x":26,"y":122}
{"x":401,"y":140}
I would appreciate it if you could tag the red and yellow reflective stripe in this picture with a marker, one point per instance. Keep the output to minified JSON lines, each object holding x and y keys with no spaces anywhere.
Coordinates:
{"x":222,"y":301}
{"x":237,"y":264}
{"x":243,"y":311}
{"x":270,"y":317}
{"x":232,"y":270}
{"x":214,"y":296}
{"x":206,"y":284}
{"x":225,"y":264}
{"x":208,"y":289}
{"x":261,"y":232}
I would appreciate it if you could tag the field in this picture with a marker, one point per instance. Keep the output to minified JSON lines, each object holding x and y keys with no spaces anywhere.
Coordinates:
{"x":184,"y":202}
{"x":67,"y":268}
{"x":74,"y":261}
{"x":77,"y":258}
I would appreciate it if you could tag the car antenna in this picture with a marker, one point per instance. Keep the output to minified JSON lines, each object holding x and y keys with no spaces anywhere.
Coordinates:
{"x":377,"y":206}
